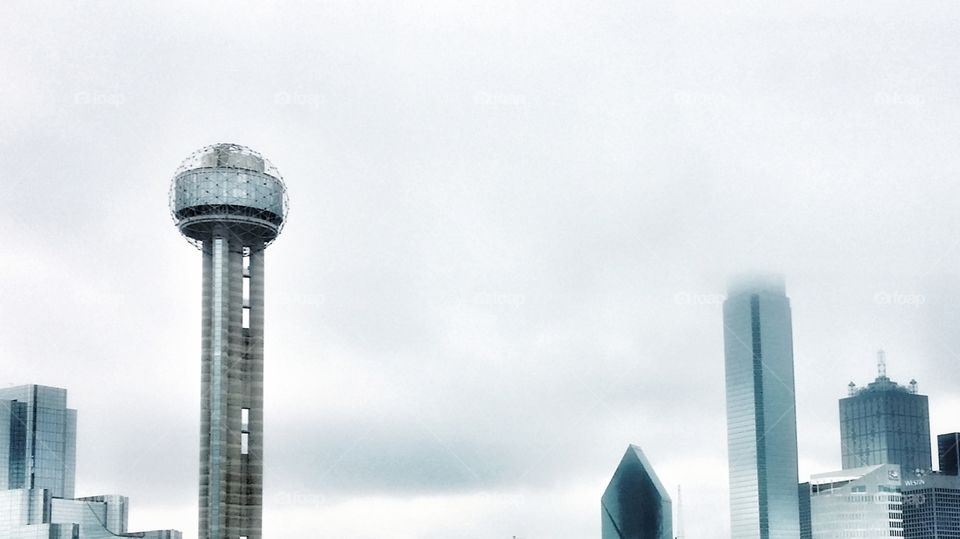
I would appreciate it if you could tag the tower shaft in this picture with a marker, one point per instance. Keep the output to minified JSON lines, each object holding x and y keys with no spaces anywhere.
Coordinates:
{"x":231,"y":420}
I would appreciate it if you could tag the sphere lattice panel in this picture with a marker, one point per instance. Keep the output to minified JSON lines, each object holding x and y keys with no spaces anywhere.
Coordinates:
{"x":228,"y":189}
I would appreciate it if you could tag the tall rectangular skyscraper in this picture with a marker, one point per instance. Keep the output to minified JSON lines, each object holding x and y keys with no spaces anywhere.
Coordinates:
{"x":886,"y":423}
{"x":38,"y":440}
{"x":761,"y":414}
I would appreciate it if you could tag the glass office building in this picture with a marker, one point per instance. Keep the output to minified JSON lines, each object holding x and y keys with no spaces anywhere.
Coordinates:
{"x":931,"y":507}
{"x":886,"y":423}
{"x":761,"y":414}
{"x":947,"y":448}
{"x":635,"y":505}
{"x":859,"y":502}
{"x":38,"y":437}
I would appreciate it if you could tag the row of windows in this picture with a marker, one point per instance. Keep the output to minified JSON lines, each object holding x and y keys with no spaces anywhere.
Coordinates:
{"x":884,"y":402}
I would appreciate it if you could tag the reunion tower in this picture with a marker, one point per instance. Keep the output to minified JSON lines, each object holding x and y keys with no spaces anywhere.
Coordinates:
{"x":231,"y":202}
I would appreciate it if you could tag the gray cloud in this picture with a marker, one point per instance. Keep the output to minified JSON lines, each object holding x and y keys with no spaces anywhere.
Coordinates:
{"x":511,"y":227}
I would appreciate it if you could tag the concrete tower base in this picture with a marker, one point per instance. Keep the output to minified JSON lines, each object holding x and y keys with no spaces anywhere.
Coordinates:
{"x":231,"y":421}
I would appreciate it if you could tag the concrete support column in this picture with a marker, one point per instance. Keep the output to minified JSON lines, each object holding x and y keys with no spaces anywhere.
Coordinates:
{"x":226,"y":350}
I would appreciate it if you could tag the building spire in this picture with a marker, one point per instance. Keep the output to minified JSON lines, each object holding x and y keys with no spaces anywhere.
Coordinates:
{"x":679,"y":534}
{"x":881,"y":364}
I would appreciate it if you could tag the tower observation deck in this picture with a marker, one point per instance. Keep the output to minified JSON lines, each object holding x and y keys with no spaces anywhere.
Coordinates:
{"x":230,"y":202}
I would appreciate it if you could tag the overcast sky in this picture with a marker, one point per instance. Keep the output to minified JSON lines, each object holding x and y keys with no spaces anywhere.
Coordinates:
{"x":511,"y":228}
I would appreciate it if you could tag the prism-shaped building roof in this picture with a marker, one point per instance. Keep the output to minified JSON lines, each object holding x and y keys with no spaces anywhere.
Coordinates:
{"x":635,"y":505}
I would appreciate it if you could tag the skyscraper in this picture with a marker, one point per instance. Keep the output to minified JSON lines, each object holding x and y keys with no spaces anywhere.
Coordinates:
{"x":947,"y":448}
{"x":635,"y":505}
{"x":761,"y":414}
{"x":38,"y":438}
{"x":885,"y":423}
{"x":231,"y":202}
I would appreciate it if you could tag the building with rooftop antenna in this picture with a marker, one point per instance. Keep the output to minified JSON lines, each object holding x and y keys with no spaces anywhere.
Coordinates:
{"x":231,"y":203}
{"x":885,"y":423}
{"x":680,"y":534}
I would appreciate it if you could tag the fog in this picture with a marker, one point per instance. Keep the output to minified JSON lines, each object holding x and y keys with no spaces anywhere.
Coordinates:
{"x":511,"y":229}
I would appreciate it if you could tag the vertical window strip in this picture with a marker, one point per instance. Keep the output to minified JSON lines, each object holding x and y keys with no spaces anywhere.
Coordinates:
{"x":215,"y":392}
{"x":759,"y":416}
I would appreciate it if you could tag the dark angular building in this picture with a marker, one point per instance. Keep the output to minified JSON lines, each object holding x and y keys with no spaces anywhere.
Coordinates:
{"x":949,"y":455}
{"x":635,"y":504}
{"x":931,"y":507}
{"x":886,"y":423}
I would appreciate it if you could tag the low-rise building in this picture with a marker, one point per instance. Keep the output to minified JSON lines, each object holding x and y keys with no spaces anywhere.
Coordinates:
{"x":858,"y":502}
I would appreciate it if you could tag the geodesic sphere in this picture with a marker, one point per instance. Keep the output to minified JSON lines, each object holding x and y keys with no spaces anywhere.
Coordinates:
{"x":228,"y":190}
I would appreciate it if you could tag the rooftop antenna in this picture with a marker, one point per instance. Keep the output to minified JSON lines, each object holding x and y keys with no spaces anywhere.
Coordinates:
{"x":852,"y":389}
{"x":881,"y":364}
{"x":680,"y":533}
